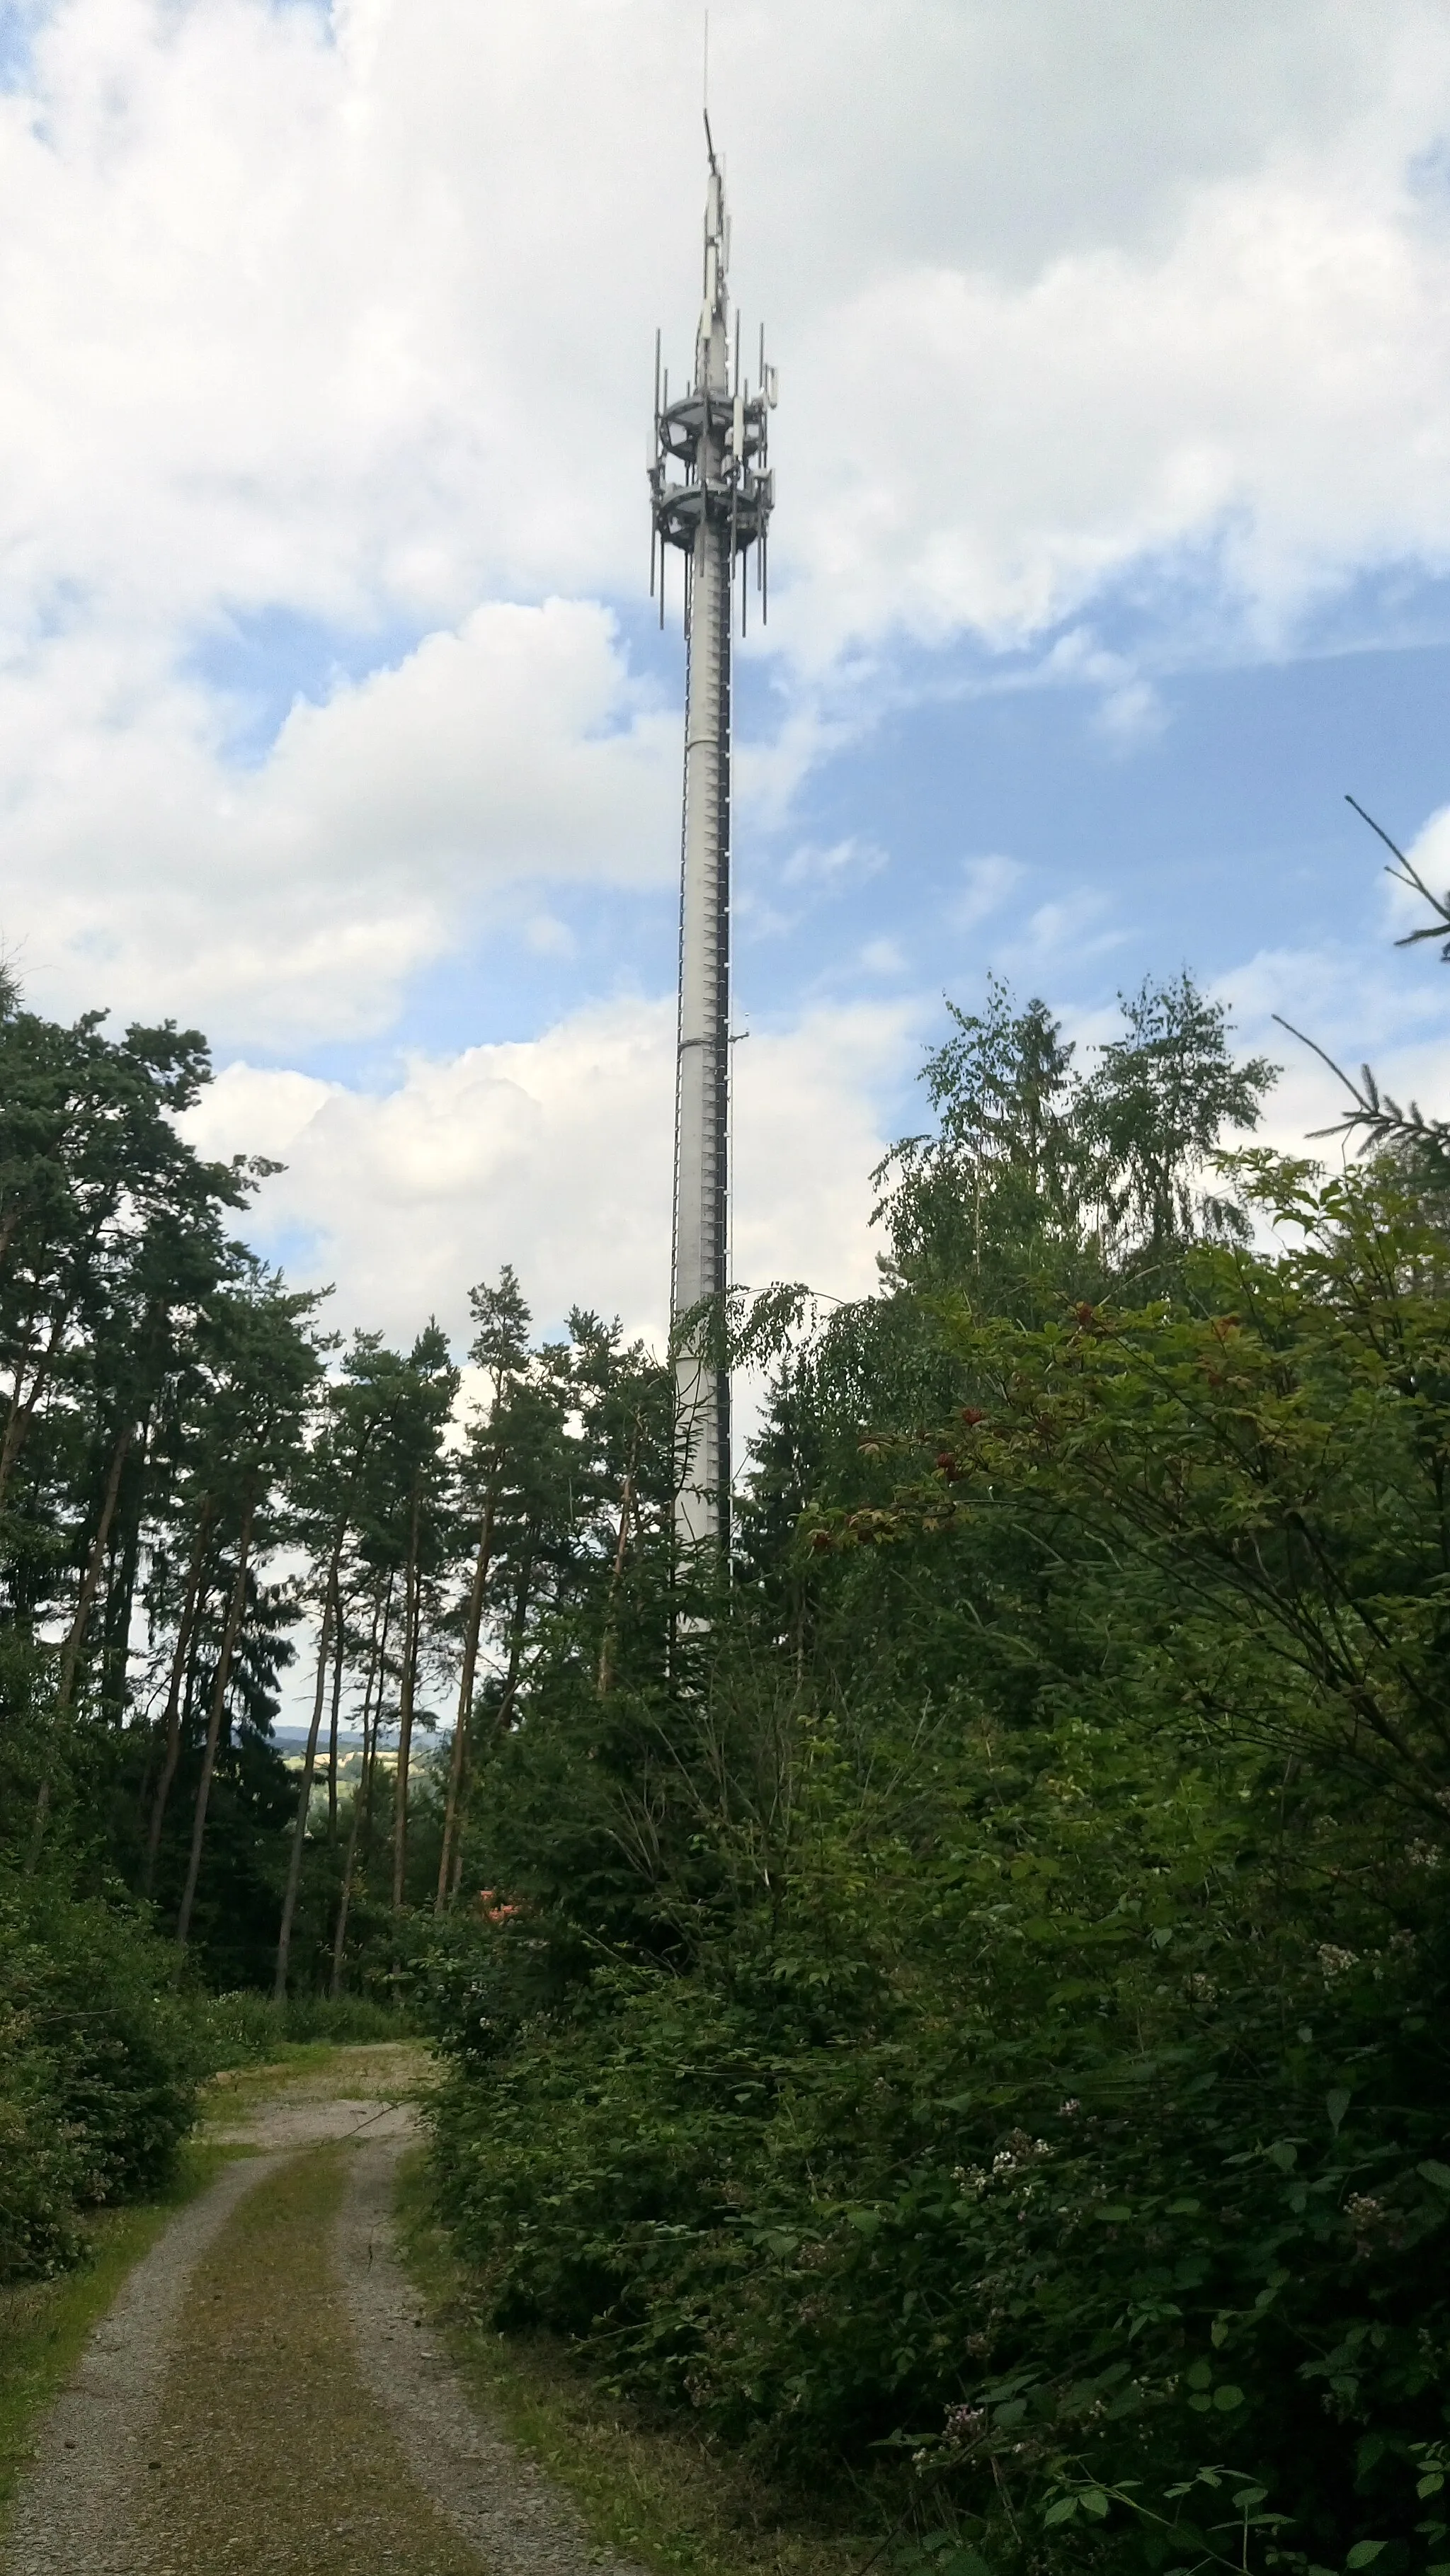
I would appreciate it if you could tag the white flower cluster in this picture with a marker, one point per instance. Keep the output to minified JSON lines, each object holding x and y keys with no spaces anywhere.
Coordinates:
{"x":1018,"y":2156}
{"x":1334,"y":1962}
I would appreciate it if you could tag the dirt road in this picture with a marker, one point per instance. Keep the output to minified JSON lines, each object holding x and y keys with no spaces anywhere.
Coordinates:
{"x":266,"y":2395}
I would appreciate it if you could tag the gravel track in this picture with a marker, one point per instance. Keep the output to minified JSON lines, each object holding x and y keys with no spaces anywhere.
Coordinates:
{"x":503,"y":2505}
{"x":75,"y":2508}
{"x":267,"y":2393}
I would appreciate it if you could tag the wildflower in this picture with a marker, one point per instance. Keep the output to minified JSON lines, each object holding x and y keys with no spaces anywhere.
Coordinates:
{"x":963,"y":2423}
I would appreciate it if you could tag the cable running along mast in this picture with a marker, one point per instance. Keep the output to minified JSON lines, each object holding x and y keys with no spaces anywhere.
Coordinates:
{"x":711,"y":492}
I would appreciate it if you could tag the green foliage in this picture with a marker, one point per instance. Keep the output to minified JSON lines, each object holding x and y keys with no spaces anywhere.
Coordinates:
{"x":1015,"y":2074}
{"x":954,"y":2004}
{"x":1040,"y":1178}
{"x":248,"y":2028}
{"x":99,"y":2064}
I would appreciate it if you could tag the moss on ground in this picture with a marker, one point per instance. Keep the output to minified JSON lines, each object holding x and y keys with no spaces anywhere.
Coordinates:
{"x":656,"y":2493}
{"x":44,"y":2324}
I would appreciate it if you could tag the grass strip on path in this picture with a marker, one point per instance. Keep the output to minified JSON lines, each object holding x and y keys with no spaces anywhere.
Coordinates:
{"x":652,"y":2493}
{"x":271,"y":2455}
{"x":44,"y":2324}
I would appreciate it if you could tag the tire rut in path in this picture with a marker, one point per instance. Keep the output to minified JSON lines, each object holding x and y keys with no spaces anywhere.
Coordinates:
{"x":74,"y":2511}
{"x":267,"y":2396}
{"x":509,"y":2511}
{"x":273,"y":2455}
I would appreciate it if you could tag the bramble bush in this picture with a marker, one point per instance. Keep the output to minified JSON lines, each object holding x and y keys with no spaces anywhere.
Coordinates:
{"x":1032,"y":2098}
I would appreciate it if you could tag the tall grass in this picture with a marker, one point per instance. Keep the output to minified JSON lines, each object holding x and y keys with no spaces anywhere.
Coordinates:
{"x":246,"y":2026}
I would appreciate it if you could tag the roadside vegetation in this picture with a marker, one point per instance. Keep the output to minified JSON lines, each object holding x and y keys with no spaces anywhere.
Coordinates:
{"x":945,"y":2025}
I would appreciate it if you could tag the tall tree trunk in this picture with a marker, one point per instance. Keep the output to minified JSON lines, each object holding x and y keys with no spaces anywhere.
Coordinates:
{"x":21,"y":1415}
{"x":519,"y":1623}
{"x":606,"y":1648}
{"x":304,"y":1793}
{"x":504,"y":1710}
{"x":70,"y":1653}
{"x":370,"y":1760}
{"x":121,"y":1590}
{"x":339,"y":1658}
{"x":412,"y":1623}
{"x":71,"y":1650}
{"x":235,"y":1611}
{"x":518,"y":1614}
{"x":171,"y":1721}
{"x":344,"y":1900}
{"x":16,"y":1417}
{"x":458,"y":1766}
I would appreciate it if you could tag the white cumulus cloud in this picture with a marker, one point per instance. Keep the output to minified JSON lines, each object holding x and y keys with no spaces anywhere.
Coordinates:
{"x":555,"y":1153}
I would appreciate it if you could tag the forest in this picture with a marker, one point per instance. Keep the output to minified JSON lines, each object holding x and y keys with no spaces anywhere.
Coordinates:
{"x":949,"y":2003}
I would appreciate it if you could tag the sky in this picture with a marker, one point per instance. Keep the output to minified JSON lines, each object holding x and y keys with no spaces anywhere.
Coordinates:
{"x":1111,"y":551}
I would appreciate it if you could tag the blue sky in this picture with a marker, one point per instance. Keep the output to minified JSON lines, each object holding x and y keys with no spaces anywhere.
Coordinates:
{"x":977,"y":792}
{"x":988,"y":821}
{"x":1112,"y":549}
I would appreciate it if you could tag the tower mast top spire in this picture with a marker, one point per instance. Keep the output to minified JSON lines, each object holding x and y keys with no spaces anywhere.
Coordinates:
{"x":712,"y":345}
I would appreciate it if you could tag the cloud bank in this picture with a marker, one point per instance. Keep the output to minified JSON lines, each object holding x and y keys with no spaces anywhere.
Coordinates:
{"x":328,"y":337}
{"x":555,"y":1154}
{"x":344,"y":316}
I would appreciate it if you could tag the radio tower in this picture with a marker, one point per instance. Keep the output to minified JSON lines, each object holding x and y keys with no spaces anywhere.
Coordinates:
{"x":711,"y":492}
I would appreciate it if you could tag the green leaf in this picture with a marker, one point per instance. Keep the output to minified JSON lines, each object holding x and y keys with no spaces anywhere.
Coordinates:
{"x":1284,"y":2154}
{"x":1438,"y":2174}
{"x":1336,"y":2104}
{"x":1227,"y":2398}
{"x":1095,"y":2502}
{"x":1199,"y":2374}
{"x":1248,"y":2497}
{"x":1365,"y":2552}
{"x":1115,"y":2212}
{"x":1062,"y":2511}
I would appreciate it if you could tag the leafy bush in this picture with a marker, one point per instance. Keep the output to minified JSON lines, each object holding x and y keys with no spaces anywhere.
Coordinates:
{"x":1144,"y":2201}
{"x":99,"y":2066}
{"x":1046,"y":2095}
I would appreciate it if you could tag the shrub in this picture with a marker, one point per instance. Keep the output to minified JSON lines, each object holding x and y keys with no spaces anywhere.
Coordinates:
{"x":245,"y":2027}
{"x":99,"y":2066}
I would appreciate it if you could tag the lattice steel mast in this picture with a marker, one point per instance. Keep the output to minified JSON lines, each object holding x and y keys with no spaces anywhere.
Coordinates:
{"x":712,"y":507}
